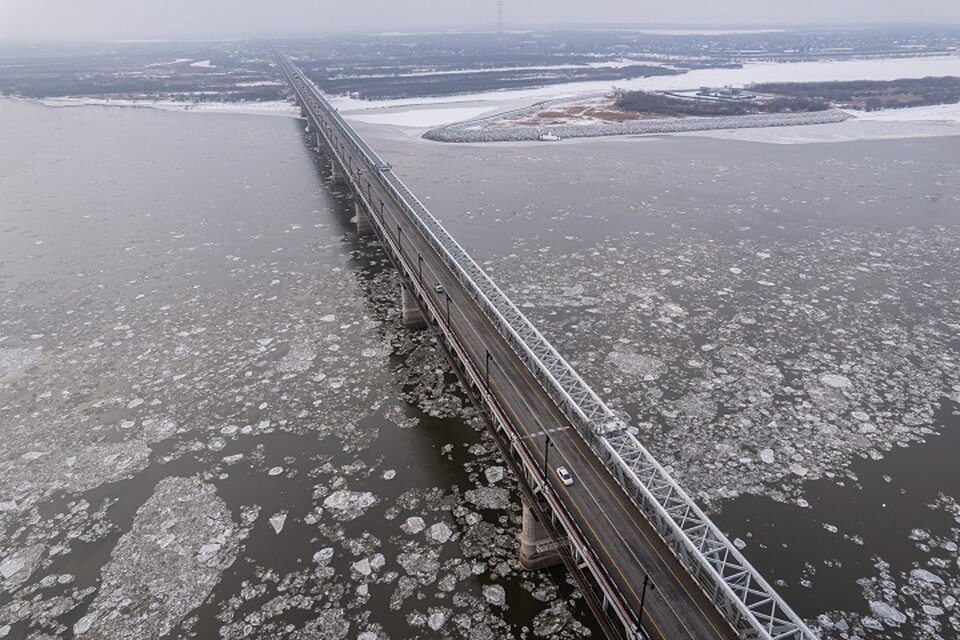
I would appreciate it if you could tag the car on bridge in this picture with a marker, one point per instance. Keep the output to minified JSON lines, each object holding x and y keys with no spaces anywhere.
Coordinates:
{"x":565,"y":476}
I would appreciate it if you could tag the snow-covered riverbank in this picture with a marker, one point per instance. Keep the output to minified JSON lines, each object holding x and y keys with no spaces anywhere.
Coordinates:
{"x":267,"y":108}
{"x":473,"y":132}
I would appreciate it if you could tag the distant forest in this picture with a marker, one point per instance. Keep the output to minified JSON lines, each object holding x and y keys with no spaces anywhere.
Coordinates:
{"x":871,"y":94}
{"x":659,"y":104}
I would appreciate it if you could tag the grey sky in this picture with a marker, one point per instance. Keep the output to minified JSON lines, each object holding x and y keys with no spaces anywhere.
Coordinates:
{"x":82,"y":19}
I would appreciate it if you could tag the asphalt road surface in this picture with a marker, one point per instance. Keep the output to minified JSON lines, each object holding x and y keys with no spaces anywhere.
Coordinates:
{"x":628,"y":546}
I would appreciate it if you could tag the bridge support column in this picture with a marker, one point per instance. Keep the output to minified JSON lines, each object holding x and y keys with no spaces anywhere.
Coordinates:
{"x":335,"y":173}
{"x":362,"y":218}
{"x":319,"y":142}
{"x":537,"y":549}
{"x":410,"y":310}
{"x":303,"y":111}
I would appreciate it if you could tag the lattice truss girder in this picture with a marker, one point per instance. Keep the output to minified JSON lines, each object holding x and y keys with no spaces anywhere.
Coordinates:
{"x":738,"y":589}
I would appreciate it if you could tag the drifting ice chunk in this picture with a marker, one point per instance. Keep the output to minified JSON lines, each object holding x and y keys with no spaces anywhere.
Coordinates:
{"x":347,"y":505}
{"x":494,"y":594}
{"x":439,"y":532}
{"x":835,"y":380}
{"x":277,"y":521}
{"x":323,"y":556}
{"x":887,"y":613}
{"x":925,"y":576}
{"x":413,"y":525}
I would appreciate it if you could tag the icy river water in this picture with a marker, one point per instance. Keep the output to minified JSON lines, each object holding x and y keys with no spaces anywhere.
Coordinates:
{"x":214,"y":425}
{"x":781,"y":322}
{"x":213,"y":422}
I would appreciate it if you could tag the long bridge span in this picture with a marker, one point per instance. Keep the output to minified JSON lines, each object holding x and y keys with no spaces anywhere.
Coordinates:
{"x":649,"y":561}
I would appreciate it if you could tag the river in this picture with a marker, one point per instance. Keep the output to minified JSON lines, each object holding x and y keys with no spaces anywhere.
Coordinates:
{"x":215,"y":425}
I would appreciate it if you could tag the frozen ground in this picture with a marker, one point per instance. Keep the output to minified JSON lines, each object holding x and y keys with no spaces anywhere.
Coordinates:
{"x":915,"y":122}
{"x":268,"y":108}
{"x":473,"y":132}
{"x":414,"y":117}
{"x":878,"y":69}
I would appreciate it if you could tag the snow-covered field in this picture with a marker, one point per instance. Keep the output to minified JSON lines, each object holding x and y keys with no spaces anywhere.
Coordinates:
{"x":422,"y":113}
{"x":914,"y":122}
{"x":878,"y":69}
{"x":932,"y":113}
{"x":269,"y":108}
{"x":425,"y":117}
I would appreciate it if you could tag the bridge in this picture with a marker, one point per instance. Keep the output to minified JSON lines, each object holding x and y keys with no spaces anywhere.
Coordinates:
{"x":650,"y":563}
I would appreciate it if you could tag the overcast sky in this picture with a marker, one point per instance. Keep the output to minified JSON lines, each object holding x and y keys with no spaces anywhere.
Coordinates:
{"x":122,"y":19}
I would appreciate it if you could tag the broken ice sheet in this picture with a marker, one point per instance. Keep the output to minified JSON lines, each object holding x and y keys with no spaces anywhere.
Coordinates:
{"x":347,"y":505}
{"x":182,"y":539}
{"x":826,"y":366}
{"x":277,"y":521}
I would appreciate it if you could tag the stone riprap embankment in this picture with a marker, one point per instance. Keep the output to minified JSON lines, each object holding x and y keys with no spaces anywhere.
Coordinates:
{"x":476,"y":131}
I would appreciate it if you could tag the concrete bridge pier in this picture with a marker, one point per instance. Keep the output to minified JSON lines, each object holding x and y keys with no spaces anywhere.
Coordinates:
{"x":303,"y":111}
{"x":319,"y":142}
{"x":336,"y":174}
{"x":537,"y":549}
{"x":362,"y":218}
{"x":410,"y":310}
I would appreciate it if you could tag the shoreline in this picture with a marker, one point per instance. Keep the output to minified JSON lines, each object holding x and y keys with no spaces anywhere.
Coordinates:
{"x":463,"y":132}
{"x":275,"y":108}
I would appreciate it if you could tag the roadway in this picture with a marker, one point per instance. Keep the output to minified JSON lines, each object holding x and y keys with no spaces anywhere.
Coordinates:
{"x":627,"y":544}
{"x":615,"y":528}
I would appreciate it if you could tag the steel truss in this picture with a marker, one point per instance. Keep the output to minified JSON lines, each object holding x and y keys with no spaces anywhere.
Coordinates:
{"x":738,"y":591}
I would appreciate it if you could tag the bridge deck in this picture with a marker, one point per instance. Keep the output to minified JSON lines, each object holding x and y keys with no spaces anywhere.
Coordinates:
{"x":615,"y":528}
{"x":676,"y":607}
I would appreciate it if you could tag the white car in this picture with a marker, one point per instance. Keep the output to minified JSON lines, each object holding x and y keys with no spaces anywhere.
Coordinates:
{"x":438,"y":288}
{"x":564,"y":476}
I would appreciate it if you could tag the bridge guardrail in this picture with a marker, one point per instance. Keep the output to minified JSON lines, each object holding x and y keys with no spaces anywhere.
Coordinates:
{"x":732,"y":583}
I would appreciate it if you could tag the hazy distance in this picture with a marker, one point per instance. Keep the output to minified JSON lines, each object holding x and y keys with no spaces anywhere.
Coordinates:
{"x":145,"y":19}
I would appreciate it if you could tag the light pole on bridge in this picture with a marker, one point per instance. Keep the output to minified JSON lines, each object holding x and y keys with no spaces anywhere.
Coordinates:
{"x":546,"y":454}
{"x":487,"y":365}
{"x":643,"y":597}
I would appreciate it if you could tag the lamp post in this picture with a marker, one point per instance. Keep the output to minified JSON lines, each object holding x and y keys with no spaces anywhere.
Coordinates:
{"x":546,"y":454}
{"x":486,"y":366}
{"x":643,"y":597}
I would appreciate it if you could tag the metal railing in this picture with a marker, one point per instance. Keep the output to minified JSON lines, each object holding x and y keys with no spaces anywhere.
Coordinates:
{"x":738,"y":591}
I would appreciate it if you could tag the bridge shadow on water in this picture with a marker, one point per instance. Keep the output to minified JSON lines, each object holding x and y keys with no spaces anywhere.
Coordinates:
{"x":437,"y":453}
{"x":440,"y":458}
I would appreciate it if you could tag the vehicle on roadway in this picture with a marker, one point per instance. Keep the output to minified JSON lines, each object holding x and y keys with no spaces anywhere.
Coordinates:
{"x":383,"y":166}
{"x":565,"y":476}
{"x":438,"y":288}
